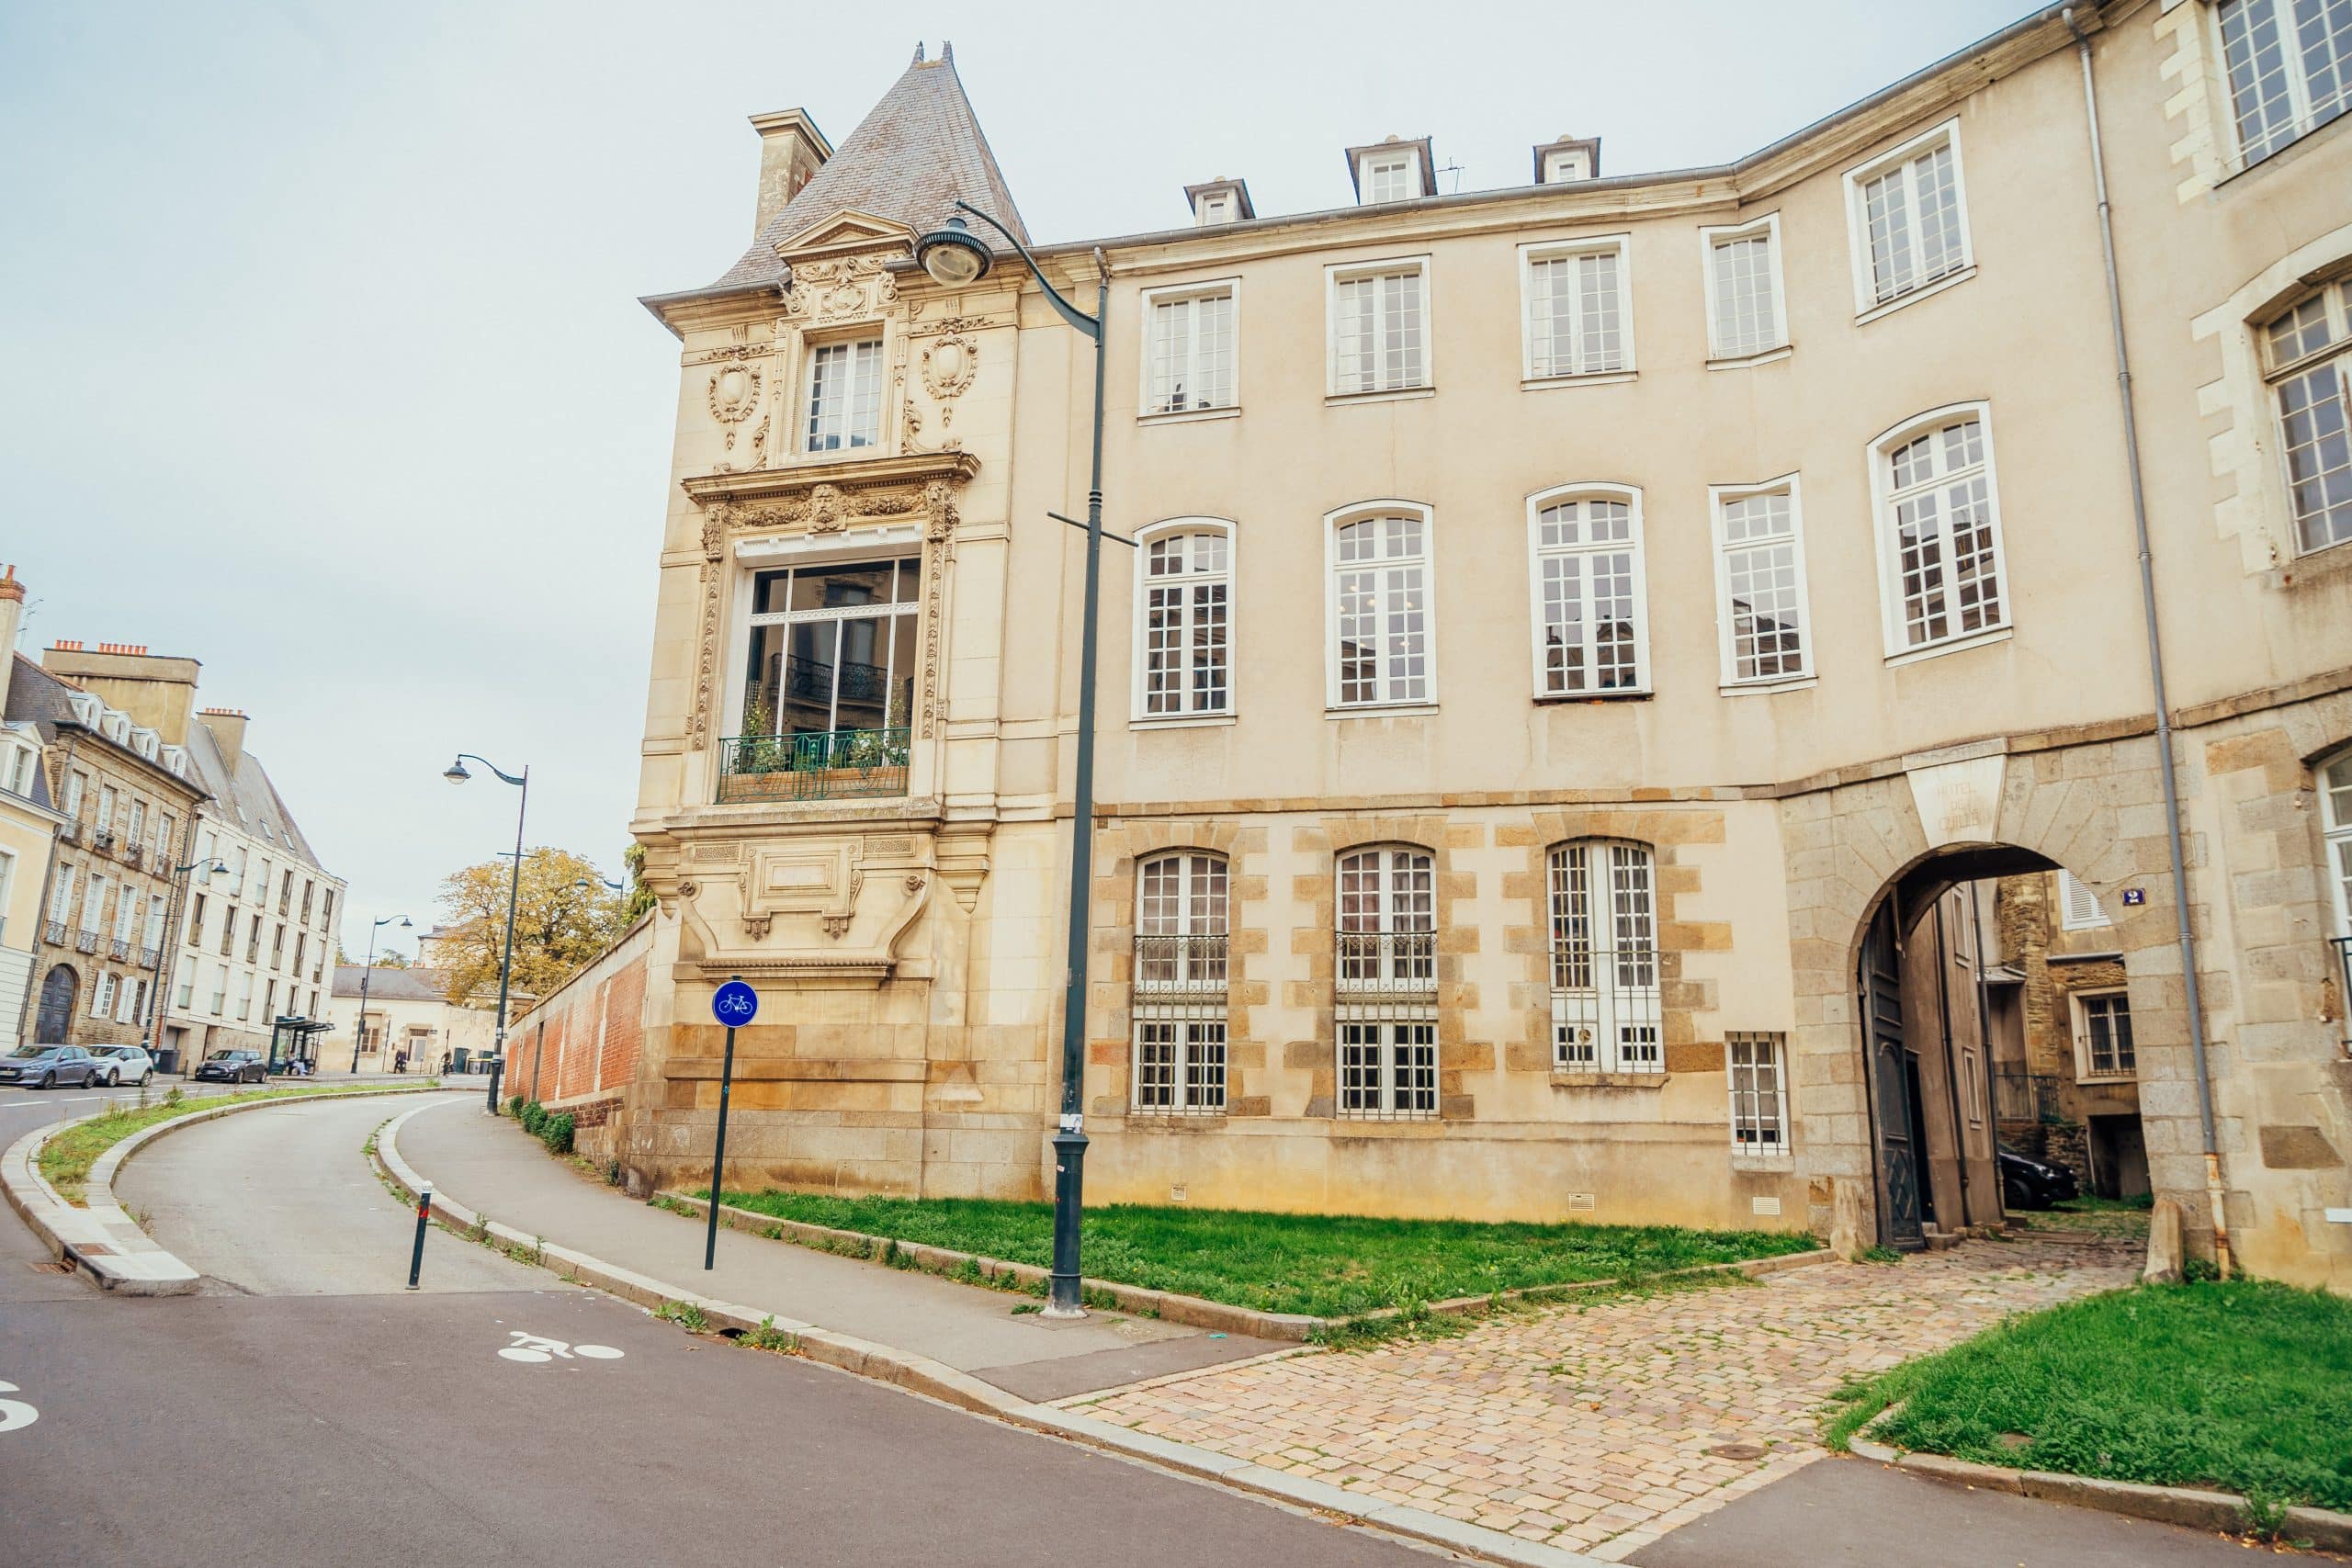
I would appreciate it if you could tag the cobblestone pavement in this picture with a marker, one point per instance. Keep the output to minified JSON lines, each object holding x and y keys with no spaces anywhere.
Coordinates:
{"x":1600,"y":1428}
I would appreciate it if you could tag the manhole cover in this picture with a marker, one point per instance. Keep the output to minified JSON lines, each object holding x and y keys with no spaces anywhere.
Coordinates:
{"x":1737,"y":1451}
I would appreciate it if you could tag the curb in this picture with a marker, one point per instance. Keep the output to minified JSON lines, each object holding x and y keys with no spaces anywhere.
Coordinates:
{"x":2223,"y":1512}
{"x":1194,"y":1311}
{"x":100,"y":1236}
{"x":921,"y":1374}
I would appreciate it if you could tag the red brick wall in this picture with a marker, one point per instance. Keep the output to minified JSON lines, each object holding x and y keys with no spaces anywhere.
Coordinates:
{"x":584,"y":1039}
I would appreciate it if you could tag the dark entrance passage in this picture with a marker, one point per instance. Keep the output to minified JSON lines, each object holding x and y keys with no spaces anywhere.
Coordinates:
{"x":58,"y":991}
{"x":1891,"y":1097}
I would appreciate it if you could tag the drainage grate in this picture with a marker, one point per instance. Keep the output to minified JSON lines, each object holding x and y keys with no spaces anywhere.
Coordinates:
{"x":60,"y":1267}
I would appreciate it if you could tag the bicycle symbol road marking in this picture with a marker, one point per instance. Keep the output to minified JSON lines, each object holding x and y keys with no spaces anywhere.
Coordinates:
{"x":15,"y":1413}
{"x":539,"y":1348}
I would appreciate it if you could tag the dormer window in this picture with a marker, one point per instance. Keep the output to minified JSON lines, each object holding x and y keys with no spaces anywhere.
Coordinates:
{"x":1567,"y":159}
{"x":1219,"y":201}
{"x":1393,"y":170}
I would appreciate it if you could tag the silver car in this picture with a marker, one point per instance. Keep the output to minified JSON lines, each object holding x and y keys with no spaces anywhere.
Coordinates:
{"x":46,"y":1067}
{"x":123,"y":1064}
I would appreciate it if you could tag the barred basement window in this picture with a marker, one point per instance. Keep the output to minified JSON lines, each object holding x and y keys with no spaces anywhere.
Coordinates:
{"x":1184,"y":615}
{"x":2309,"y":353}
{"x":1178,"y":994}
{"x":1760,"y":1109}
{"x":1605,"y":1007}
{"x":1385,"y":985}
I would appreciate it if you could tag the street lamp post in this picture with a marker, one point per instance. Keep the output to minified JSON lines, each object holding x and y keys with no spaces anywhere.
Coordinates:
{"x":359,"y":1030}
{"x":456,"y":774}
{"x":953,"y":257}
{"x":163,"y":943}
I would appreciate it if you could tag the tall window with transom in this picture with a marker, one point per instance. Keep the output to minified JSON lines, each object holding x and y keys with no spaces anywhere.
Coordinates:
{"x":1380,"y":612}
{"x":1941,"y":532}
{"x":1589,"y":588}
{"x":2290,"y":63}
{"x":829,"y":681}
{"x":1605,"y":1015}
{"x":1190,"y":361}
{"x":1186,"y":658}
{"x":845,"y":395}
{"x":2307,"y":351}
{"x":1762,"y":579}
{"x":1179,"y":991}
{"x":1385,"y":984}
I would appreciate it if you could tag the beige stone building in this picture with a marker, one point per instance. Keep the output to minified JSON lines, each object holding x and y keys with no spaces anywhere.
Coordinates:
{"x":1575,"y":640}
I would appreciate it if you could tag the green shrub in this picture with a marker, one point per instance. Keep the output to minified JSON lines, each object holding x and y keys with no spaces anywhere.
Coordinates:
{"x":534,"y":1117}
{"x":555,"y":1131}
{"x":514,"y":1105}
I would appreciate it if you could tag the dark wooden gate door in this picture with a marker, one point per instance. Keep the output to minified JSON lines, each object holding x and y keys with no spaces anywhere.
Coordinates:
{"x":56,"y":1015}
{"x":1890,"y":1082}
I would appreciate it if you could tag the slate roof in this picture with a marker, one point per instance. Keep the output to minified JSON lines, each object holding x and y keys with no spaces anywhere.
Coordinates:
{"x":243,"y":796}
{"x":44,"y":700}
{"x":910,"y":161}
{"x":409,"y":985}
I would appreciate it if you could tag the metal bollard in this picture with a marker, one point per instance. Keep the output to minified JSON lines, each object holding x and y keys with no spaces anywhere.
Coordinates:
{"x":497,"y":1071}
{"x":423,"y":1218}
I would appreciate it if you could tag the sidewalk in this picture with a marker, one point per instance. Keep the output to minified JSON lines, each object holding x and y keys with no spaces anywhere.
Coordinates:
{"x":491,"y":1167}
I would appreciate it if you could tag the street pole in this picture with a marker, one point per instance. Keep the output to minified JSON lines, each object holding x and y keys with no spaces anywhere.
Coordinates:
{"x":366,"y":978}
{"x":456,"y":774}
{"x":952,"y":256}
{"x":718,"y":1147}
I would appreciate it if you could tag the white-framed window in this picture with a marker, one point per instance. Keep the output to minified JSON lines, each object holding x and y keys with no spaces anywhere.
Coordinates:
{"x":1746,"y":314}
{"x":94,"y":899}
{"x":2307,"y":353}
{"x":1603,"y":905}
{"x":106,"y":798}
{"x":2078,"y":907}
{"x":1579,"y":308}
{"x":77,"y":783}
{"x":246,"y":994}
{"x":1384,"y":983}
{"x":1759,"y":582}
{"x":1390,"y":176}
{"x":2336,"y":822}
{"x":187,"y":996}
{"x":1909,"y":215}
{"x":1178,"y":990}
{"x":1190,"y":342}
{"x":61,"y":898}
{"x":1760,"y":1102}
{"x":2290,"y":64}
{"x":126,"y":998}
{"x":1567,"y":163}
{"x":2103,"y":1035}
{"x":830,"y":650}
{"x":1215,"y":207}
{"x":1382,"y":622}
{"x":102,"y":992}
{"x":164,"y":826}
{"x":1184,"y":619}
{"x":219,"y":990}
{"x":21,"y":762}
{"x":845,"y":395}
{"x":1588,"y":590}
{"x":1939,"y":529}
{"x":1379,"y":326}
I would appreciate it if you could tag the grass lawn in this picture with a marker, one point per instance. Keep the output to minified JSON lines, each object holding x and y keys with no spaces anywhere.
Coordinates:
{"x":1327,"y":1266}
{"x":65,"y":1159}
{"x":2244,"y":1387}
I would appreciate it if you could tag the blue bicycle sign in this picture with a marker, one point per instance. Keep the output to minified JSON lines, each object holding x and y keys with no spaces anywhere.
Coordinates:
{"x":735,"y":1004}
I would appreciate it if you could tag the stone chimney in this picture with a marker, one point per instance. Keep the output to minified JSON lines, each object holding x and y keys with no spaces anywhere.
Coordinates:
{"x":228,"y":728}
{"x":12,"y":619}
{"x":791,"y":152}
{"x":156,"y":690}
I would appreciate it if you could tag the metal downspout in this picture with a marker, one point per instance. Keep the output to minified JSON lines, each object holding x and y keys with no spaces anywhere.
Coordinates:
{"x":2173,"y":845}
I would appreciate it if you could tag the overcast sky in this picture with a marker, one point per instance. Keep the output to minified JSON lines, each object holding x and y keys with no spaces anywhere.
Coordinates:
{"x":320,"y":354}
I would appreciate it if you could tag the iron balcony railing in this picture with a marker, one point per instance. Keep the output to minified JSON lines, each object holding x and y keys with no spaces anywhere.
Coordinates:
{"x":118,"y":949}
{"x":54,"y":933}
{"x":85,"y":942}
{"x":1385,"y":964}
{"x":147,"y":956}
{"x":1180,"y":968}
{"x":837,"y":765}
{"x":2023,"y":1097}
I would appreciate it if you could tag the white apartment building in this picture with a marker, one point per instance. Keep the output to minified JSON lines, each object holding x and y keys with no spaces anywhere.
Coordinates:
{"x":256,"y":941}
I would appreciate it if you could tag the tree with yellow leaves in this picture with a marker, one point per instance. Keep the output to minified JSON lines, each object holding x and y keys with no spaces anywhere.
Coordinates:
{"x":564,"y":916}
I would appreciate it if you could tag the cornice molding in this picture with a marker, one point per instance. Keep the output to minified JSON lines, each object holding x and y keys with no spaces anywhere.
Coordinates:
{"x":801,"y":480}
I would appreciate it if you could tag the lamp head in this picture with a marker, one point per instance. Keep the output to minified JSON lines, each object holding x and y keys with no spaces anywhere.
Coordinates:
{"x":953,"y":255}
{"x":406,"y":924}
{"x":455,"y":771}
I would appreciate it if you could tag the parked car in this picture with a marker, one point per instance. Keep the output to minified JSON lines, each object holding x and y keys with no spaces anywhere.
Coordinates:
{"x":46,"y":1067}
{"x":123,"y":1064}
{"x":231,"y":1066}
{"x":2030,"y":1184}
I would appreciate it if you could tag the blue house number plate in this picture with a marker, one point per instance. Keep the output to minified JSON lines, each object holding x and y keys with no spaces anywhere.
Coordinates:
{"x":735,"y":1004}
